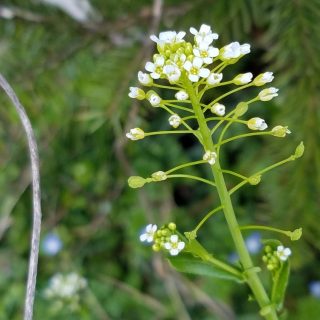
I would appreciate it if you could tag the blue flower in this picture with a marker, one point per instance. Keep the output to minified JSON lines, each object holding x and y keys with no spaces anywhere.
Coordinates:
{"x":314,"y":288}
{"x":253,"y":242}
{"x":51,"y":244}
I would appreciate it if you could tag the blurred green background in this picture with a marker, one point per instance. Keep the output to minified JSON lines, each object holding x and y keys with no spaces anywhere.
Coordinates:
{"x":72,"y":74}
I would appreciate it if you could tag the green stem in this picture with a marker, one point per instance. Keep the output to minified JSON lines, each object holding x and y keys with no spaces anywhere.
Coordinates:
{"x":255,"y":227}
{"x":172,"y":112}
{"x":185,"y":165}
{"x":188,"y":176}
{"x":253,"y":279}
{"x":179,"y":107}
{"x":244,"y":136}
{"x":207,"y":216}
{"x":235,"y":174}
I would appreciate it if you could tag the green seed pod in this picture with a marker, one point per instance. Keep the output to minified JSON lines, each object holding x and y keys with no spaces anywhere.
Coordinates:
{"x":254,"y":180}
{"x":296,"y":234}
{"x":299,"y":151}
{"x":241,"y":109}
{"x":136,"y":182}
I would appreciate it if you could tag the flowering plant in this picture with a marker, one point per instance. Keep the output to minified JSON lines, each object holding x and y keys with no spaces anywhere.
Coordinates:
{"x":191,"y":70}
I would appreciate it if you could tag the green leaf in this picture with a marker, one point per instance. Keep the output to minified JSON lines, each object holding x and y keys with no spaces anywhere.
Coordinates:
{"x":201,"y":268}
{"x":280,"y":282}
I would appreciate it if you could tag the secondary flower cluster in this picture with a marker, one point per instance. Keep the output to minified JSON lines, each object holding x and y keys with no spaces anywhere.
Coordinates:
{"x":164,"y":238}
{"x":273,"y":258}
{"x":66,"y":288}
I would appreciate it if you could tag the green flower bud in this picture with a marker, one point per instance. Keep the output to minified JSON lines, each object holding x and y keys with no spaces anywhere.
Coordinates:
{"x":268,"y":249}
{"x":164,"y":232}
{"x":254,"y":180}
{"x":270,"y":267}
{"x":136,"y":182}
{"x":280,"y":131}
{"x":156,"y":247}
{"x":159,"y":176}
{"x":299,"y":151}
{"x":172,"y":226}
{"x":265,"y":259}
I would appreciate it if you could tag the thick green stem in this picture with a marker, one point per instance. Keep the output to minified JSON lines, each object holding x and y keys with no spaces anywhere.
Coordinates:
{"x":253,"y":279}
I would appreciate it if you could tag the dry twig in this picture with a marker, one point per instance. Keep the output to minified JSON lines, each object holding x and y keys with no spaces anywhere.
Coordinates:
{"x":34,"y":159}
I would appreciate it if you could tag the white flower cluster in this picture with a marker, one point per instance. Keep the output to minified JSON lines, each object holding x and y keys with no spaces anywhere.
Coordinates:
{"x":164,"y":238}
{"x":65,"y":286}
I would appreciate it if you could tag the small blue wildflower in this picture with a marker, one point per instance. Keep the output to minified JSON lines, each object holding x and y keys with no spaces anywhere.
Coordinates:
{"x":314,"y":288}
{"x":51,"y":244}
{"x":253,"y":242}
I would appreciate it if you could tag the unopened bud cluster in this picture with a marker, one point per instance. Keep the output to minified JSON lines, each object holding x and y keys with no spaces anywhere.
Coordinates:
{"x":273,"y":258}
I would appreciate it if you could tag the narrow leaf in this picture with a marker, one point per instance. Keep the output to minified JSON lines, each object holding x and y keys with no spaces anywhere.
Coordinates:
{"x":201,"y":268}
{"x":280,"y":282}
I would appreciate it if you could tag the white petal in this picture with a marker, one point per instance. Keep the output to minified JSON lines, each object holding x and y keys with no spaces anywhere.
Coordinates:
{"x":204,"y":72}
{"x":213,"y":52}
{"x":197,"y":62}
{"x":204,"y":28}
{"x":193,"y":77}
{"x":159,"y":61}
{"x":207,"y":60}
{"x":193,"y":31}
{"x":180,"y":35}
{"x":187,"y":65}
{"x":196,"y":52}
{"x":174,"y":238}
{"x":155,"y":75}
{"x":181,"y":245}
{"x":174,"y":252}
{"x":168,"y":245}
{"x":154,"y":38}
{"x":143,"y":237}
{"x":150,"y":66}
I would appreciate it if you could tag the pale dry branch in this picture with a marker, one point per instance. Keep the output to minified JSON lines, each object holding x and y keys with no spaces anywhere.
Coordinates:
{"x":36,"y":227}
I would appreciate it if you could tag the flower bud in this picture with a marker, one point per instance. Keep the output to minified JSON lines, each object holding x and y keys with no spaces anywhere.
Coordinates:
{"x":145,"y":79}
{"x":153,"y":98}
{"x":243,"y":78}
{"x":136,"y":182}
{"x":210,"y":157}
{"x":263,"y":78}
{"x":214,"y":78}
{"x":172,"y":226}
{"x":254,"y":180}
{"x":218,"y":109}
{"x":135,"y":134}
{"x":280,"y":131}
{"x":181,"y":95}
{"x":257,"y":124}
{"x":268,"y":94}
{"x":136,"y":93}
{"x":174,"y":121}
{"x":159,"y":176}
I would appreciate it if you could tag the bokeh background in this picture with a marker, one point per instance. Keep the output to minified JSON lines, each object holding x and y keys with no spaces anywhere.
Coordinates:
{"x":71,"y":63}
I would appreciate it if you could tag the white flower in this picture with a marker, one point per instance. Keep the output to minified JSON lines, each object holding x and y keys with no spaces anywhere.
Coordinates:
{"x":280,"y":131}
{"x":149,"y":233}
{"x":65,"y":286}
{"x":283,"y":253}
{"x":168,"y":37}
{"x":205,"y":52}
{"x":172,"y":72}
{"x":263,"y":78}
{"x":218,"y":109}
{"x":144,"y":78}
{"x":153,"y":98}
{"x":181,"y":95}
{"x":135,"y":134}
{"x":210,"y":157}
{"x":204,"y":34}
{"x":156,"y":68}
{"x":257,"y":124}
{"x":136,"y":93}
{"x":268,"y":94}
{"x":195,"y":70}
{"x":243,"y":78}
{"x":214,"y":78}
{"x":174,"y":245}
{"x":174,"y":121}
{"x":234,"y":50}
